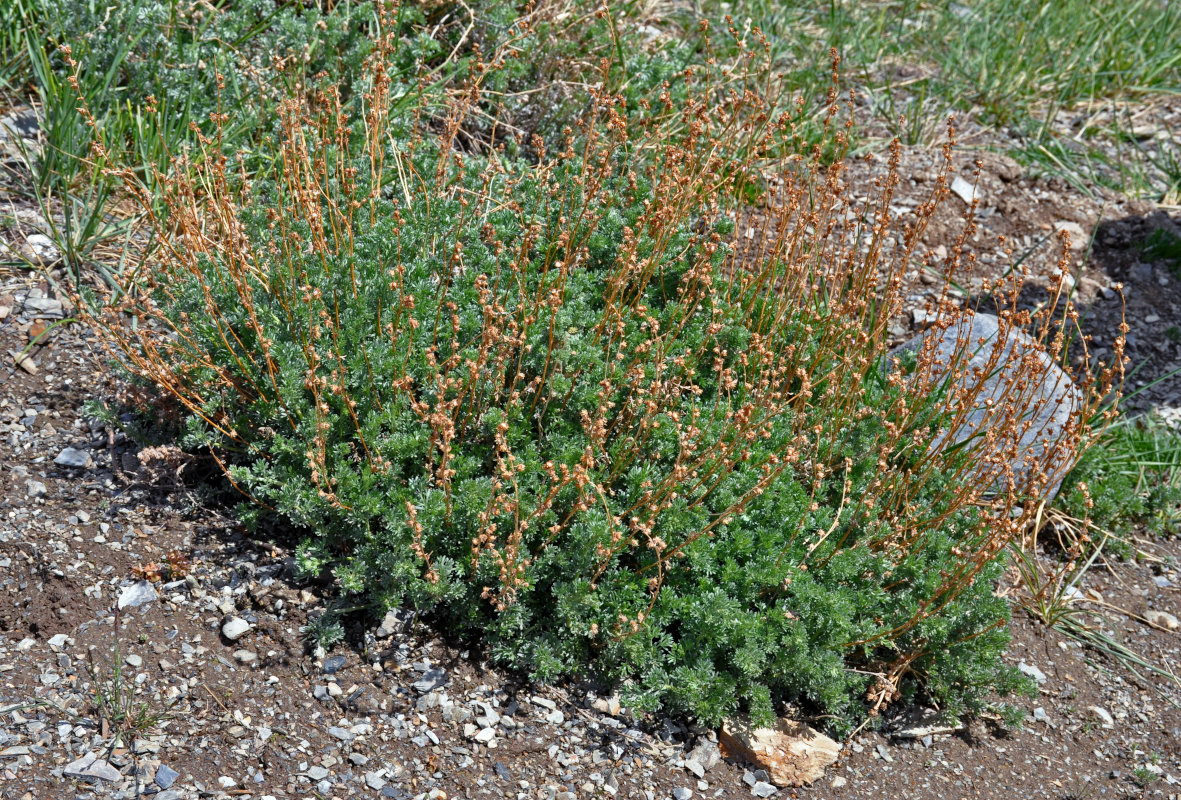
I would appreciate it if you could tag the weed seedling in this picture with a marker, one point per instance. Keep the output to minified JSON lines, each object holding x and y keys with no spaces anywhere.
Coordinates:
{"x":117,"y":698}
{"x":1142,"y":776}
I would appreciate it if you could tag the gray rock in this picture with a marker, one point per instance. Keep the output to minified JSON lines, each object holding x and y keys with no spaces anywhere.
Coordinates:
{"x":100,"y":771}
{"x":333,"y":665}
{"x":1140,"y":273}
{"x":763,"y":789}
{"x":1046,"y":407}
{"x":430,"y":680}
{"x":374,"y":781}
{"x":36,"y":488}
{"x":695,"y":767}
{"x":341,"y":733}
{"x":706,"y":753}
{"x":72,"y":457}
{"x":136,"y":595}
{"x":395,"y":622}
{"x":317,"y":773}
{"x":681,"y":793}
{"x":1104,"y":716}
{"x":44,"y":307}
{"x":1033,"y":672}
{"x":166,"y":776}
{"x":20,"y":123}
{"x":93,"y":770}
{"x":235,"y":628}
{"x":455,"y":713}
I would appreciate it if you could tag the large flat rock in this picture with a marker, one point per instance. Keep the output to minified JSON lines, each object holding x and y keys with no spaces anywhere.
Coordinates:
{"x":1018,"y":381}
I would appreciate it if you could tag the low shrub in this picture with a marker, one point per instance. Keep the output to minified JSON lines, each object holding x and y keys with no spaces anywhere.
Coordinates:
{"x":622,"y":409}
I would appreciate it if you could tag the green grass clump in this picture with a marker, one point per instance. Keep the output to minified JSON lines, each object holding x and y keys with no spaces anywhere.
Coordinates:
{"x":1163,"y":245}
{"x":611,"y":405}
{"x":1130,"y":479}
{"x":1009,"y":64}
{"x":154,"y":75}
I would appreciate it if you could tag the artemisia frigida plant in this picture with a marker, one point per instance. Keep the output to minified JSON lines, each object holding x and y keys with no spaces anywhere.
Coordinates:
{"x":624,"y":408}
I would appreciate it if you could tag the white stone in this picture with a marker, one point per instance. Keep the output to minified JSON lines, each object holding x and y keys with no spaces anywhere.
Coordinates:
{"x":1078,"y":238}
{"x":964,"y":190}
{"x":1104,"y":716}
{"x":235,"y":628}
{"x":1162,"y":619}
{"x":42,"y":249}
{"x":608,"y":705}
{"x":136,"y":595}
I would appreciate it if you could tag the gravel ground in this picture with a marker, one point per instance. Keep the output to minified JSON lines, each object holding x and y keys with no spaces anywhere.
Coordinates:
{"x":217,"y":696}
